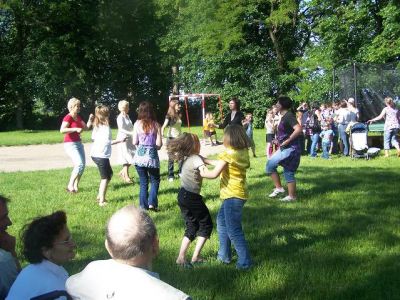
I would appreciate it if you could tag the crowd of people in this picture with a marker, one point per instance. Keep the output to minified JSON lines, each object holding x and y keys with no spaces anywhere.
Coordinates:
{"x":131,"y":236}
{"x":327,"y":126}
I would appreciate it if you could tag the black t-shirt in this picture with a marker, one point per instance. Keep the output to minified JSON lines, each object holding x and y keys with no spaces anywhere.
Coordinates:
{"x":285,"y":127}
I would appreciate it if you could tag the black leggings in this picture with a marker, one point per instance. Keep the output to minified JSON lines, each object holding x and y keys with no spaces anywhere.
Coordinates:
{"x":196,"y":215}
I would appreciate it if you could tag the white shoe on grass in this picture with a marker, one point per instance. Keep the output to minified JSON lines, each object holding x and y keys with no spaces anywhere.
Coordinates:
{"x":287,"y":199}
{"x":276,"y":192}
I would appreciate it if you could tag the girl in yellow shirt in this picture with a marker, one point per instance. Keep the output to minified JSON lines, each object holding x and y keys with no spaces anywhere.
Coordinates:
{"x":231,"y":167}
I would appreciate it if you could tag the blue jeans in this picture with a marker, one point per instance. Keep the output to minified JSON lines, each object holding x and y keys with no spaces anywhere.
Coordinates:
{"x":326,"y":146}
{"x":76,"y":152}
{"x":146,"y":199}
{"x":273,"y":162}
{"x":229,"y":227}
{"x":313,"y":148}
{"x":390,"y":137}
{"x":343,"y":137}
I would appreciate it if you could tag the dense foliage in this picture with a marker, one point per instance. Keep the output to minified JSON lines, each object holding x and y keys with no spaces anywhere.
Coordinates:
{"x":103,"y":51}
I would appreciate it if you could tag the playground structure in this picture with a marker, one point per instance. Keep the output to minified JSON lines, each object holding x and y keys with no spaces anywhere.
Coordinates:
{"x":203,"y":98}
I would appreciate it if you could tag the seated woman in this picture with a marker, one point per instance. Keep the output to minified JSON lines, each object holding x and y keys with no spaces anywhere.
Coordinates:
{"x":47,"y":245}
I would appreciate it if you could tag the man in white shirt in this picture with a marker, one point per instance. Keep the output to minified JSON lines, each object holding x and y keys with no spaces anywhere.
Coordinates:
{"x":9,"y":265}
{"x":132,"y":242}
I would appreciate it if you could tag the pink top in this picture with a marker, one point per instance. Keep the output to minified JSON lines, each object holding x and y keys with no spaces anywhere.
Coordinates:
{"x":73,"y":136}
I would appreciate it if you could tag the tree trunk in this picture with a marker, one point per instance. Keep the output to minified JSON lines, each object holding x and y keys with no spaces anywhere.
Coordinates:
{"x":279,"y":54}
{"x":175,"y":87}
{"x":19,"y":115}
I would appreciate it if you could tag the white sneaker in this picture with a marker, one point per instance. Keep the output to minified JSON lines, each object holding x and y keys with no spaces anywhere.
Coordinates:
{"x":276,"y":192}
{"x":170,"y":179}
{"x":287,"y":199}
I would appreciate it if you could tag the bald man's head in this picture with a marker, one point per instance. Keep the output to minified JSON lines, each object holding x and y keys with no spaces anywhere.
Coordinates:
{"x":130,"y":233}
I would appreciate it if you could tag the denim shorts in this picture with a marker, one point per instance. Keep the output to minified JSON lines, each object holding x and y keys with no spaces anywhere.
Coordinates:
{"x":274,"y":161}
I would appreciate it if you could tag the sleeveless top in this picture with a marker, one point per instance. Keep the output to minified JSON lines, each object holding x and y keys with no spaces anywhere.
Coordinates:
{"x":146,"y":152}
{"x":391,"y":118}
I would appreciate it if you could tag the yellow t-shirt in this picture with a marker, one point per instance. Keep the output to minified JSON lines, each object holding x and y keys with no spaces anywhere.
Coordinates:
{"x":233,"y":177}
{"x":208,"y":125}
{"x":205,"y":124}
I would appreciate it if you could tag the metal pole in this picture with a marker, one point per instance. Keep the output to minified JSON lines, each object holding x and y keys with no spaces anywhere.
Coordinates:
{"x":355,"y":83}
{"x":333,"y":85}
{"x":203,"y":106}
{"x":187,"y":113}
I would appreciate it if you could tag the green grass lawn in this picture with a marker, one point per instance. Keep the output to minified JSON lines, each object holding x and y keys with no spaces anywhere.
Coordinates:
{"x":340,"y":240}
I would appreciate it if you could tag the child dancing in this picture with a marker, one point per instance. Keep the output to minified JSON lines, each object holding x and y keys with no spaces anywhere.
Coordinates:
{"x":195,"y":213}
{"x":209,"y":129}
{"x":101,"y":150}
{"x":232,"y":165}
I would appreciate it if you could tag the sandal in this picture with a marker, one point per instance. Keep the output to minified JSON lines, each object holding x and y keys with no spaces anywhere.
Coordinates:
{"x":198,"y":262}
{"x":185,"y":265}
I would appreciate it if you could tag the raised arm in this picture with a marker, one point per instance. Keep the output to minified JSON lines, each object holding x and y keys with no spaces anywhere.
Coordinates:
{"x":225,"y":123}
{"x":220,"y":165}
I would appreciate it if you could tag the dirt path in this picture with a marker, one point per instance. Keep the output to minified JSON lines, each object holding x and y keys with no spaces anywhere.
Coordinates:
{"x":47,"y":157}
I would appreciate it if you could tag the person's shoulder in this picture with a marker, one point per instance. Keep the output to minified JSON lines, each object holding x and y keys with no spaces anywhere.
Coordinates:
{"x":158,"y":289}
{"x":196,"y":160}
{"x":67,"y":118}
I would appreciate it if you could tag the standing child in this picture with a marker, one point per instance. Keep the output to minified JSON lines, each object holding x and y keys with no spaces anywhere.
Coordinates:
{"x":174,"y":123}
{"x":327,"y":138}
{"x":194,"y":212}
{"x":209,"y":129}
{"x":232,"y":165}
{"x":270,"y":132}
{"x":101,"y":150}
{"x":248,"y":126}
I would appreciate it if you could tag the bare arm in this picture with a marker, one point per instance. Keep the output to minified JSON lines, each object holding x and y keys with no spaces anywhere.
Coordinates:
{"x":66,"y":129}
{"x":163,"y":127}
{"x":380,"y":117}
{"x":118,"y":141}
{"x":297,"y":130}
{"x":135,"y":138}
{"x":214,"y":173}
{"x":210,"y":161}
{"x":159,"y":138}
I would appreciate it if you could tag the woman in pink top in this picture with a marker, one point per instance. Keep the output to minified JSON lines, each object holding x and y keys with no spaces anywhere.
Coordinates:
{"x":72,"y":127}
{"x":391,"y":128}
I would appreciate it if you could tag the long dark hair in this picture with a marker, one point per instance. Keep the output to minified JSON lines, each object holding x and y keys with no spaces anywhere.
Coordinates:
{"x":147,"y":115}
{"x":237,"y":103}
